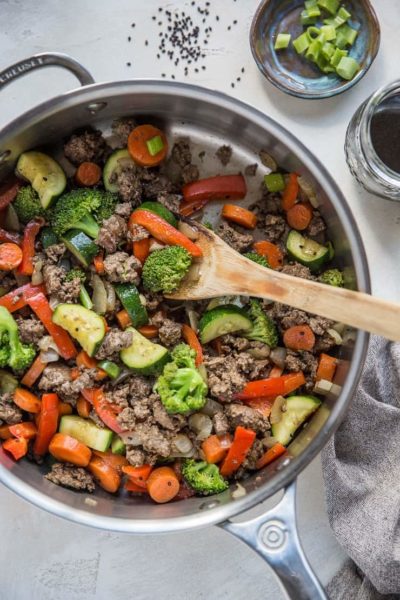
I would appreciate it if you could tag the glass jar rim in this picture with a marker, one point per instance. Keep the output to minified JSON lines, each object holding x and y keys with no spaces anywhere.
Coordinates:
{"x":380,"y":168}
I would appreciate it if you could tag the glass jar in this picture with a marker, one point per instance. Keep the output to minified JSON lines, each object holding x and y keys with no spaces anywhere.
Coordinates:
{"x":364,"y":163}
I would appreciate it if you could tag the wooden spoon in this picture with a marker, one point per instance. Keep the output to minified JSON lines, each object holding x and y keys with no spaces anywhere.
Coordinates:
{"x":225,"y":272}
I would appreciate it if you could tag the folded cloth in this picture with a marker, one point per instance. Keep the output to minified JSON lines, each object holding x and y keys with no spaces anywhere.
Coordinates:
{"x":361,"y":466}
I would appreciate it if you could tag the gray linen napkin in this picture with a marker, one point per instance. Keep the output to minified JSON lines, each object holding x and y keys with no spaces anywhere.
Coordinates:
{"x":361,"y":466}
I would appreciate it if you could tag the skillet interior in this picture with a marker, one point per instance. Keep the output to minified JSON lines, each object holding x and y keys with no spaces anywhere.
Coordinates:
{"x":210,"y":119}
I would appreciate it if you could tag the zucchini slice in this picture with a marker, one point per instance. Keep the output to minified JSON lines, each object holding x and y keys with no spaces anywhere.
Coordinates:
{"x":306,"y":251}
{"x":117,"y":445}
{"x":162,"y":211}
{"x":82,"y":324}
{"x":298,"y":409}
{"x":44,"y":174}
{"x":85,"y":431}
{"x":80,"y":245}
{"x":144,"y":357}
{"x":130,"y":298}
{"x":222,"y":320}
{"x":117,"y":160}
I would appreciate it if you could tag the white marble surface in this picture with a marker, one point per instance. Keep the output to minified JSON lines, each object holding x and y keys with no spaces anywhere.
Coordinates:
{"x":45,"y":558}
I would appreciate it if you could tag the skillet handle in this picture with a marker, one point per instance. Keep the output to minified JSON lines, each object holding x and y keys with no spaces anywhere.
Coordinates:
{"x":273,"y":535}
{"x":46,"y":59}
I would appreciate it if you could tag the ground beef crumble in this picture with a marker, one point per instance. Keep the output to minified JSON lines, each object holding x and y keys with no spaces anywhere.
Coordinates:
{"x":112,"y":232}
{"x":89,"y":146}
{"x":9,"y":412}
{"x":224,"y":154}
{"x":72,"y":477}
{"x":58,"y":286}
{"x":114,"y":341}
{"x":122,"y":268}
{"x":31,"y":330}
{"x":55,"y":252}
{"x":234,"y":237}
{"x":56,"y":378}
{"x":227,"y":375}
{"x":169,"y":331}
{"x":121,"y":128}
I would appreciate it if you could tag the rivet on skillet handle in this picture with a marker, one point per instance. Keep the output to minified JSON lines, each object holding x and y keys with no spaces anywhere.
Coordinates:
{"x":273,"y":535}
{"x":46,"y":59}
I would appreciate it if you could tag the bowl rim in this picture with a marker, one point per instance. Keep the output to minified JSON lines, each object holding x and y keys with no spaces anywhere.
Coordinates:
{"x":329,"y":93}
{"x":98,"y":92}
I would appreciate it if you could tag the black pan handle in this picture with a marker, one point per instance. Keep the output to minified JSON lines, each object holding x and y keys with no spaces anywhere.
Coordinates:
{"x":273,"y":535}
{"x":46,"y":59}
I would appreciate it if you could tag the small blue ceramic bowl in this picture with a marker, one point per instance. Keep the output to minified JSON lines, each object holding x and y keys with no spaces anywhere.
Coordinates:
{"x":294,"y":74}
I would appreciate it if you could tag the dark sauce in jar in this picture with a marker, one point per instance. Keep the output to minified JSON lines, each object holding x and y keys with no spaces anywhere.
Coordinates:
{"x":385,"y":132}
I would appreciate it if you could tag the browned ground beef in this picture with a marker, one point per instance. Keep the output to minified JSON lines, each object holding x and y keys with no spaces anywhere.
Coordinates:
{"x":56,"y":378}
{"x":227,"y":375}
{"x":72,"y":477}
{"x":297,"y":270}
{"x":57,"y":285}
{"x":169,"y":331}
{"x":120,"y":267}
{"x":114,"y":341}
{"x":88,"y":146}
{"x":316,"y":226}
{"x":9,"y":412}
{"x":137,"y":233}
{"x":276,"y":228}
{"x":220,"y":423}
{"x":55,"y":252}
{"x":224,"y":154}
{"x":30,"y":330}
{"x":112,"y":232}
{"x":190,"y":173}
{"x":129,"y":185}
{"x":153,"y":300}
{"x":234,"y":237}
{"x":123,"y":210}
{"x":238,"y":414}
{"x":170,"y":201}
{"x":181,"y":153}
{"x":121,"y":128}
{"x":251,"y":170}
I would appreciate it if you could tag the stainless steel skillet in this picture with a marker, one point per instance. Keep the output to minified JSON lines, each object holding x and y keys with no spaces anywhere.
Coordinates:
{"x":210,"y":119}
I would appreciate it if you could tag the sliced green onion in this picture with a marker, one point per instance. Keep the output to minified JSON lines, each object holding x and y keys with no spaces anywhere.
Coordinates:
{"x":313,"y":11}
{"x":323,"y":64}
{"x":314,"y":51}
{"x":347,"y":67}
{"x":346,"y":35}
{"x":337,"y":57}
{"x":274,"y":182}
{"x":331,"y":6}
{"x":305,"y":19}
{"x":301,"y":43}
{"x":310,"y":4}
{"x":155,"y":145}
{"x":313,"y":33}
{"x":328,"y":50}
{"x":282,"y":41}
{"x":111,"y":368}
{"x":329,"y":32}
{"x":343,"y":14}
{"x":84,"y":298}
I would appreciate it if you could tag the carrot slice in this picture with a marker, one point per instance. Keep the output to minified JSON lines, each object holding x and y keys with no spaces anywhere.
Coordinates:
{"x":34,"y":372}
{"x":292,"y":381}
{"x":88,"y":174}
{"x":64,"y":409}
{"x":84,"y":360}
{"x":68,"y":449}
{"x":48,"y":423}
{"x":163,"y":231}
{"x":189,"y":208}
{"x":299,"y":216}
{"x":139,"y":475}
{"x":299,"y":337}
{"x":25,"y":430}
{"x":5,"y":433}
{"x":10,"y":256}
{"x":137,"y":145}
{"x":106,"y":476}
{"x":148,"y":331}
{"x":99,"y":263}
{"x":290,"y":192}
{"x":17,"y":447}
{"x":271,"y":252}
{"x":163,"y":484}
{"x":123,"y":319}
{"x":216,"y":447}
{"x":83,"y":407}
{"x":116,"y":461}
{"x":270,"y":455}
{"x":27,"y":401}
{"x":190,"y":337}
{"x":239,"y":215}
{"x":326,"y":367}
{"x":141,"y":249}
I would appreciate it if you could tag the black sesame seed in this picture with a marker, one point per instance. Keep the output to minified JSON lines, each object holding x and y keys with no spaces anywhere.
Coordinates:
{"x":129,"y":38}
{"x":242,"y":69}
{"x":133,"y":25}
{"x":232,"y":85}
{"x":128,"y":64}
{"x":146,"y":43}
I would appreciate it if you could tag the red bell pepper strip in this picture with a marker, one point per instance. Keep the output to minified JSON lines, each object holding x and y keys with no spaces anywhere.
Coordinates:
{"x":189,"y":208}
{"x":17,"y":447}
{"x":242,"y":442}
{"x":163,"y":231}
{"x":8,"y":236}
{"x":40,"y":306}
{"x":270,"y":455}
{"x":48,"y":423}
{"x":292,"y":381}
{"x":106,"y":411}
{"x":273,"y":386}
{"x":28,"y":245}
{"x":190,"y":337}
{"x":15,"y":300}
{"x":8,"y":191}
{"x":221,"y":187}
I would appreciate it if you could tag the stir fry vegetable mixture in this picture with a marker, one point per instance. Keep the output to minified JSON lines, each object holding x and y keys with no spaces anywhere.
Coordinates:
{"x":106,"y":380}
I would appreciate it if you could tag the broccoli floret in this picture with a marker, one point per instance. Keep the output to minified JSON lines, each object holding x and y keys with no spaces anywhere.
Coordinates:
{"x":75,"y":273}
{"x":27,"y":204}
{"x":332,"y":277}
{"x":181,"y":387}
{"x":164,"y":269}
{"x":13,"y":353}
{"x":264,"y":329}
{"x":82,"y":209}
{"x":257,"y":258}
{"x":203,"y":477}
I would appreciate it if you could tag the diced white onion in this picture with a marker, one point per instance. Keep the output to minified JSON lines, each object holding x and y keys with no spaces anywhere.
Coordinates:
{"x":131,"y":438}
{"x":99,"y":296}
{"x":260,"y":352}
{"x":276,"y":410}
{"x":308,"y":190}
{"x":323,"y":387}
{"x":48,"y":356}
{"x":154,"y":245}
{"x":201,"y":424}
{"x":47,"y":343}
{"x":211,"y":407}
{"x":54,"y":301}
{"x":339,"y":327}
{"x":37,"y":275}
{"x":111,"y":297}
{"x":188,"y":230}
{"x":270,"y":441}
{"x":182,"y":446}
{"x":278,"y":356}
{"x":336,"y":336}
{"x":192,"y":316}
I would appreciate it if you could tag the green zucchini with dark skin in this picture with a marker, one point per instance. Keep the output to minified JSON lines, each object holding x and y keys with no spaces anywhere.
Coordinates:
{"x":44,"y":174}
{"x":80,"y":245}
{"x":130,"y":299}
{"x":306,"y":251}
{"x":143,"y":356}
{"x":82,"y":324}
{"x":297,"y":410}
{"x":86,"y":432}
{"x":113,"y":166}
{"x":221,"y":320}
{"x":48,"y":237}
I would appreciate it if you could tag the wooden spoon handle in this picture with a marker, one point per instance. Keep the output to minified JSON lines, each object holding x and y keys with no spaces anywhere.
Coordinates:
{"x":346,"y":306}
